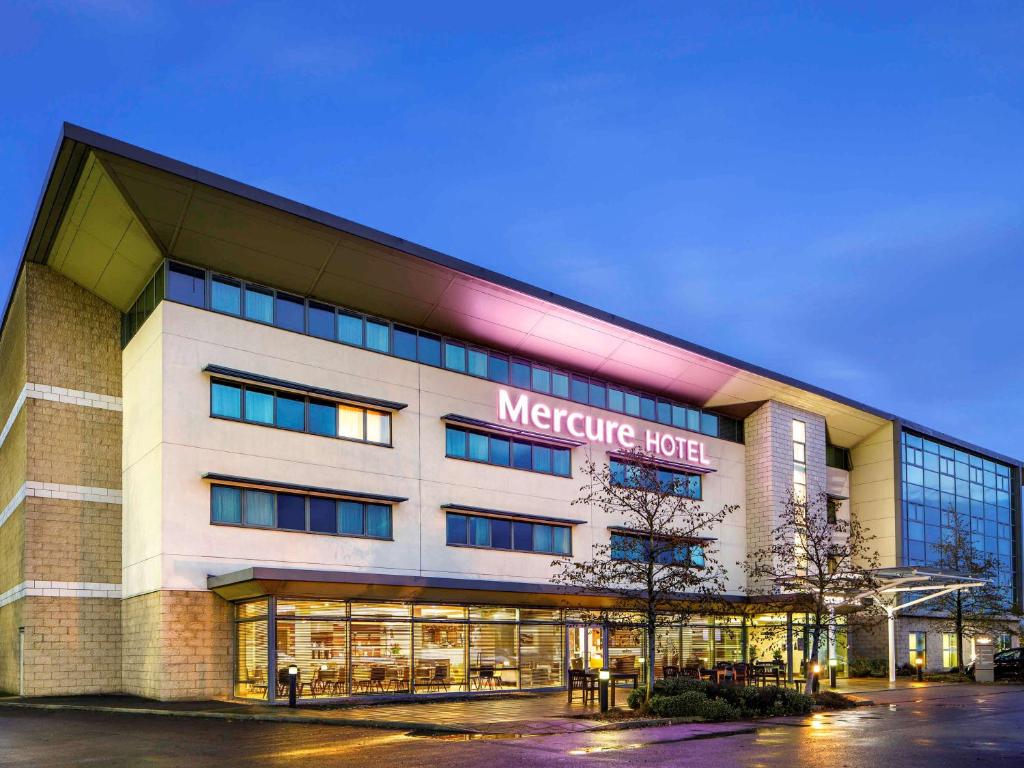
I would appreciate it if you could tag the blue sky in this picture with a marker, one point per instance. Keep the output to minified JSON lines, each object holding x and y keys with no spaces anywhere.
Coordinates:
{"x":833,"y":192}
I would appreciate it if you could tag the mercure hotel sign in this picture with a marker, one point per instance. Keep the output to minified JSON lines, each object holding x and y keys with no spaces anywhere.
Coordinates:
{"x":519,"y":409}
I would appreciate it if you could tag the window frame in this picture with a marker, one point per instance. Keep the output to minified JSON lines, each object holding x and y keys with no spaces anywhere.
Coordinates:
{"x":512,"y":441}
{"x":470,"y":518}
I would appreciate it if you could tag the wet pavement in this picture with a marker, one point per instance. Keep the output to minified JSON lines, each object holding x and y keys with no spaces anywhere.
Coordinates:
{"x":961,"y":726}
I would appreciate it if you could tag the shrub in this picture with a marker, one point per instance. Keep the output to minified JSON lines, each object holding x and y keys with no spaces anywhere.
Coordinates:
{"x":833,"y":700}
{"x":686,"y":704}
{"x":636,"y":698}
{"x":869,"y":668}
{"x":673,"y":686}
{"x":717,"y":710}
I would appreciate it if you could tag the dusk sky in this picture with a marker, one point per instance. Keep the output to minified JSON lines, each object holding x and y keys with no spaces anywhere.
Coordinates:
{"x":833,"y":192}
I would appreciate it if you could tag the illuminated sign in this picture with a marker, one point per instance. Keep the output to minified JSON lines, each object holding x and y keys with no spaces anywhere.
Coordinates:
{"x":597,"y":429}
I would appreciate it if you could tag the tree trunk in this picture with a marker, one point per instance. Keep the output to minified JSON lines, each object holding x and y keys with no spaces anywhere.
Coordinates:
{"x":812,"y":660}
{"x":649,"y":665}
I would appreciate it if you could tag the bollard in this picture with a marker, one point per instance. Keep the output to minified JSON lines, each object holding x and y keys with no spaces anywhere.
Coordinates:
{"x":603,"y":676}
{"x":293,"y":679}
{"x":833,"y":668}
{"x":919,"y":661}
{"x":816,"y":671}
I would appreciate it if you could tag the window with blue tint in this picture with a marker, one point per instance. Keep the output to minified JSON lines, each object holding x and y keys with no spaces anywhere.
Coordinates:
{"x":497,"y":368}
{"x":709,"y":424}
{"x":376,"y":335}
{"x":323,"y":418}
{"x":454,"y":357}
{"x":480,"y":531}
{"x":498,"y":451}
{"x":320,"y":321}
{"x":616,"y":399}
{"x":457,"y":529}
{"x":520,"y":374}
{"x":289,"y":312}
{"x":559,"y":384}
{"x":580,"y":390}
{"x":226,"y":400}
{"x":678,"y":416}
{"x":429,"y":349}
{"x":625,"y":546}
{"x":522,"y":536}
{"x":291,"y":512}
{"x":291,"y":412}
{"x":350,"y":329}
{"x":647,"y":410}
{"x":259,"y":406}
{"x":632,"y":404}
{"x":501,"y":534}
{"x":350,"y":517}
{"x":478,"y":363}
{"x":378,"y":521}
{"x":560,"y":463}
{"x":522,"y":455}
{"x":403,"y":342}
{"x":540,"y":379}
{"x":541,"y":538}
{"x":672,"y":481}
{"x":455,"y":443}
{"x":323,"y":515}
{"x":259,"y":508}
{"x":225,"y":504}
{"x":597,"y":395}
{"x":692,"y":420}
{"x":226,"y":295}
{"x":541,"y":458}
{"x":479,"y":446}
{"x":697,"y":556}
{"x":664,"y":412}
{"x":186,"y":285}
{"x":259,"y":305}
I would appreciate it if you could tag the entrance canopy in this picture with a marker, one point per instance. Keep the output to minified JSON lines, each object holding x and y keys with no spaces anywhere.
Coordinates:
{"x":925,"y":582}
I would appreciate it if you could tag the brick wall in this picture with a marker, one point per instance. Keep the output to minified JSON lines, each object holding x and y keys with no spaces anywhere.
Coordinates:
{"x":10,"y":620}
{"x":177,"y":645}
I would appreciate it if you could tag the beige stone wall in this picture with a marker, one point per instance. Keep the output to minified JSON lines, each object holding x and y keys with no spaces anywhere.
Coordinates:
{"x":73,"y":445}
{"x":75,"y":541}
{"x":873,"y":498}
{"x":177,"y":645}
{"x":12,"y":552}
{"x":10,"y":620}
{"x":72,"y":645}
{"x":12,"y":352}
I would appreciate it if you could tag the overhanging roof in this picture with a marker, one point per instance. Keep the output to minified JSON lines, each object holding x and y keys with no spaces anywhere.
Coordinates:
{"x":110,"y":211}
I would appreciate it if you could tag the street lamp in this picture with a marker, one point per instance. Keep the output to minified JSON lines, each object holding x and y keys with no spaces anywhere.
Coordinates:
{"x":919,"y":661}
{"x":293,"y":677}
{"x":643,"y":670}
{"x":816,"y":669}
{"x":833,"y":668}
{"x":603,"y":676}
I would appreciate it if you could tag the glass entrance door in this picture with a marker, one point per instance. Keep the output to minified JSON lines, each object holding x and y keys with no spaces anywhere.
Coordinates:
{"x":585,"y":645}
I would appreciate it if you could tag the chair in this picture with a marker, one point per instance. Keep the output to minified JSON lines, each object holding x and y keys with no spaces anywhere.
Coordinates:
{"x":584,"y":682}
{"x":670,"y":671}
{"x":440,"y":678}
{"x":486,"y":677}
{"x":741,"y":673}
{"x":378,"y":679}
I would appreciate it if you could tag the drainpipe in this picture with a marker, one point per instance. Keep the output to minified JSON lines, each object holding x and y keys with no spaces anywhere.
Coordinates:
{"x":21,"y":661}
{"x":892,"y":644}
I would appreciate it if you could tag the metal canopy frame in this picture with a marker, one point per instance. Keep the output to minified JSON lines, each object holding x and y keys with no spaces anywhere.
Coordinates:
{"x":894,"y":581}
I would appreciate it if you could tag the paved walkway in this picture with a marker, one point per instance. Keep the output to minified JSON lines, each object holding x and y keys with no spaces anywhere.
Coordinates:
{"x":524,"y":713}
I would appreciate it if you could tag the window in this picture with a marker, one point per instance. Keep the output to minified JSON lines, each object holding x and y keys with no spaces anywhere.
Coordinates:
{"x":501,"y":533}
{"x":226,"y":400}
{"x":376,"y":335}
{"x":320,"y":321}
{"x":478,"y":363}
{"x":287,"y":410}
{"x":403,"y":342}
{"x":350,"y":329}
{"x":833,"y":510}
{"x":559,"y":384}
{"x":916,"y":642}
{"x":625,"y":546}
{"x":949,"y":659}
{"x":455,"y":357}
{"x":291,"y":412}
{"x":259,"y":305}
{"x":541,"y":379}
{"x":500,"y":451}
{"x":669,"y":480}
{"x":497,"y":368}
{"x":429,"y":349}
{"x":298,"y":512}
{"x":186,"y":285}
{"x":289,"y":312}
{"x":226,"y":295}
{"x":580,"y":390}
{"x":226,"y":504}
{"x":521,"y":376}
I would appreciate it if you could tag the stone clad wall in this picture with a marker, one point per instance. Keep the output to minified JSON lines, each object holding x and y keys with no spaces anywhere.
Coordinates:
{"x":768,"y":433}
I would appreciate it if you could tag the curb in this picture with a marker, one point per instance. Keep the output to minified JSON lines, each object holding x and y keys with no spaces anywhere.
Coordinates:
{"x":396,"y":725}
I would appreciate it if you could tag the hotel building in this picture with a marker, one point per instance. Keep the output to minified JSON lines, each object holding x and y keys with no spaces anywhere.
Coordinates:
{"x":239,"y":434}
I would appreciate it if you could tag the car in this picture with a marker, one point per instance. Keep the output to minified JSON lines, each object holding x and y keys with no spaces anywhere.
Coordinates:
{"x":1007,"y":664}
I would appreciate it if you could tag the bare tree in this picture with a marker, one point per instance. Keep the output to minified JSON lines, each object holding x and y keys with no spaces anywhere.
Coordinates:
{"x":980,"y":610}
{"x":816,"y":558}
{"x":660,"y":562}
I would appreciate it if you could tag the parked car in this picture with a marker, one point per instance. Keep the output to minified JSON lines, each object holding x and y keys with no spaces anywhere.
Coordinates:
{"x":1008,"y":663}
